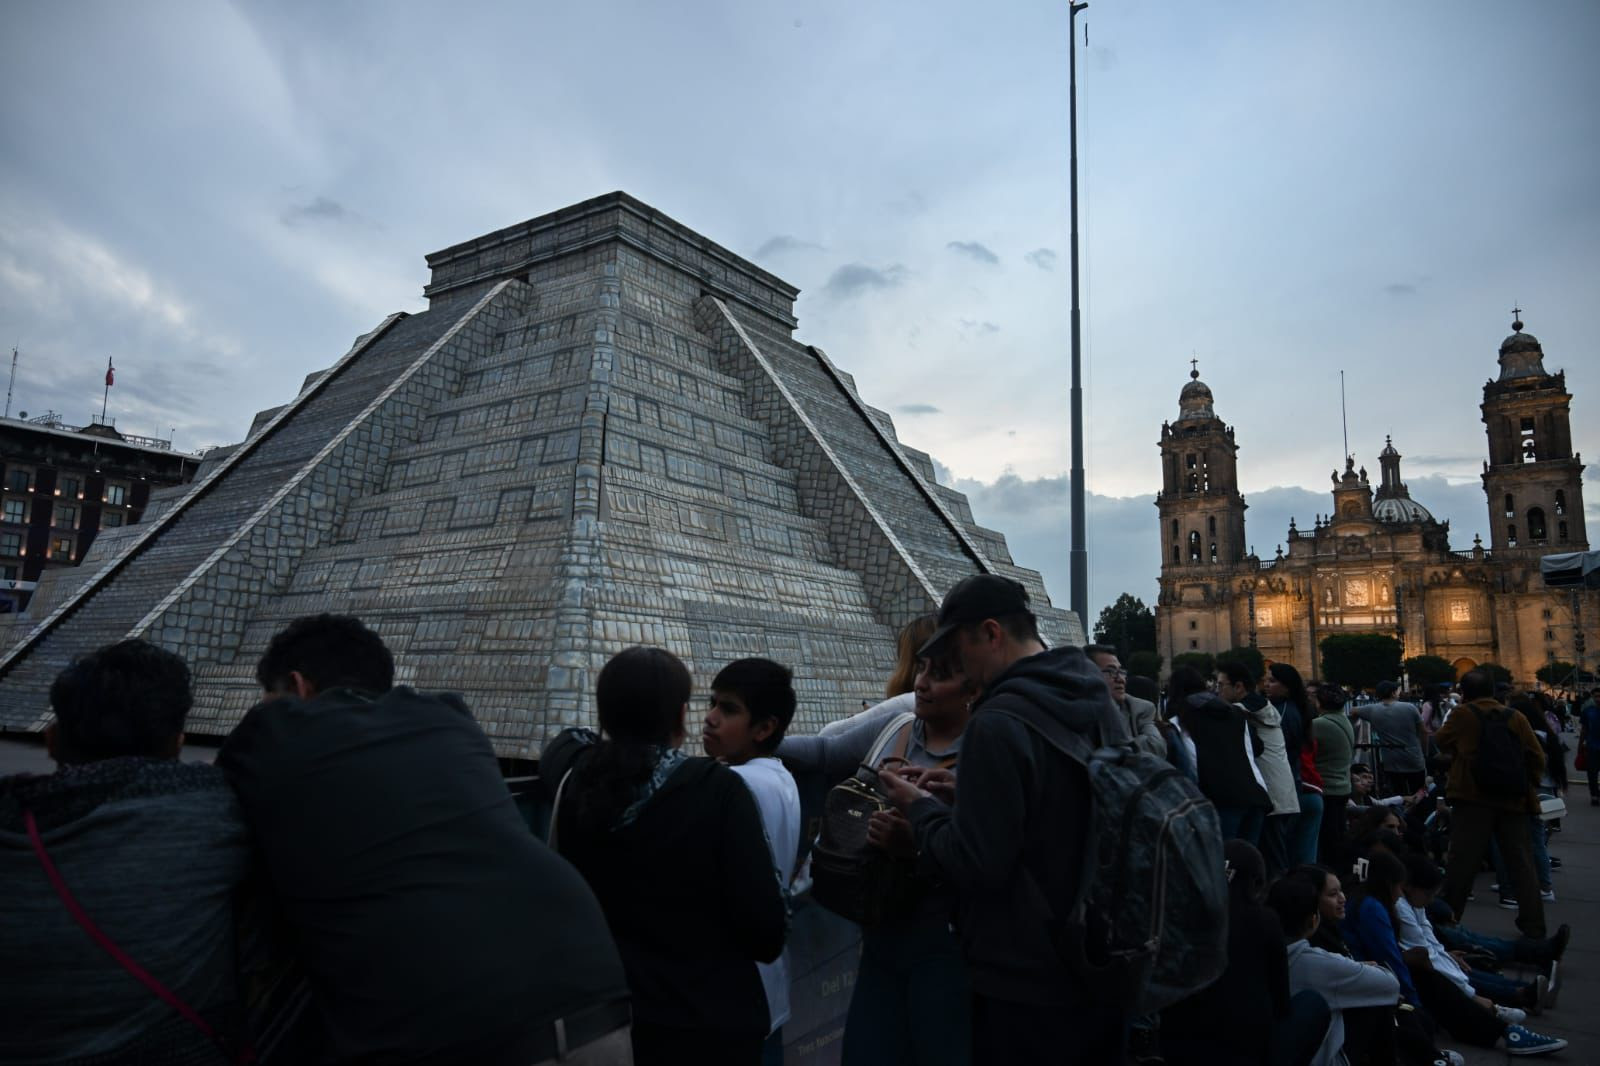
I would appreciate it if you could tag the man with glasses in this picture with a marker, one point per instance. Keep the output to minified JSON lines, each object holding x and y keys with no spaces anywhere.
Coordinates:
{"x":1140,"y":714}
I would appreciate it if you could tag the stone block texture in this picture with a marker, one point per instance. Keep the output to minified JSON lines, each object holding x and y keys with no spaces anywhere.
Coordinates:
{"x":600,"y":433}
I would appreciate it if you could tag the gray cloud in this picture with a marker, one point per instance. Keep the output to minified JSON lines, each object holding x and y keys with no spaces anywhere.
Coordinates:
{"x":1400,"y":288}
{"x":974,"y":250}
{"x":854,"y":278}
{"x":321,"y":209}
{"x":917,"y":409}
{"x":1043,"y":258}
{"x":971,"y":325}
{"x":784,"y":243}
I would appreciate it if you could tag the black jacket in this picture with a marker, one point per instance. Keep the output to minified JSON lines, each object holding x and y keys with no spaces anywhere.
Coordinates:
{"x":1218,"y":730}
{"x":433,"y":925}
{"x":688,"y":888}
{"x":1012,"y":846}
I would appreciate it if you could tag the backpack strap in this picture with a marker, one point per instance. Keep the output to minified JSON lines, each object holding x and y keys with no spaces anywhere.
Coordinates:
{"x":555,"y":810}
{"x":898,"y":728}
{"x":123,"y":959}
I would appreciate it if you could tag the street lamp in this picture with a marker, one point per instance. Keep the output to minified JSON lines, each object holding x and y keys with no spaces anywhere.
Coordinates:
{"x":1080,"y":553}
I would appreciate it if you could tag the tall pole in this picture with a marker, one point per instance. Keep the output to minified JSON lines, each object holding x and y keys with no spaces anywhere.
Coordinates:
{"x":1080,"y":552}
{"x":13,"y":383}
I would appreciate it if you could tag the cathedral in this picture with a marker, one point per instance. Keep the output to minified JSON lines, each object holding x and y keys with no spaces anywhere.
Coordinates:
{"x":1379,"y":562}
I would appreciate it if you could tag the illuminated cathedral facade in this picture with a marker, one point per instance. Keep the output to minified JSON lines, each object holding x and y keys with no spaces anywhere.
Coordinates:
{"x":1379,"y":562}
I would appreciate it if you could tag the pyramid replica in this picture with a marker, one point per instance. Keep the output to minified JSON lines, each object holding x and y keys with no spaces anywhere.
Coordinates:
{"x":601,"y":432}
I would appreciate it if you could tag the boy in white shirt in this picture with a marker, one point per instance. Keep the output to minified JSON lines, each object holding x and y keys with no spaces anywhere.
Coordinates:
{"x":752,"y":704}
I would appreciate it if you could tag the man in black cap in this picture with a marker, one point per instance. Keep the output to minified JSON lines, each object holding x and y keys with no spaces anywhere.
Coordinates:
{"x":1012,"y":844}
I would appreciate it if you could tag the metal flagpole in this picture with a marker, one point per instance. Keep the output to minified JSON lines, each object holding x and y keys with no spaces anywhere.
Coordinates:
{"x":1080,"y":554}
{"x":110,"y":370}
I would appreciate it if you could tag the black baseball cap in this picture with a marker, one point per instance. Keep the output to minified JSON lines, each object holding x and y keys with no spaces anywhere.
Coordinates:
{"x":974,"y":599}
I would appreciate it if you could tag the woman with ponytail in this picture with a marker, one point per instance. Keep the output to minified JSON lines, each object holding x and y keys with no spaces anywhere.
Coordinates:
{"x":674,"y":849}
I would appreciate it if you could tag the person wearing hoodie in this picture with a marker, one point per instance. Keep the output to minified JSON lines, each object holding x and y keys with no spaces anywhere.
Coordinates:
{"x":1224,"y":754}
{"x":1013,"y":841}
{"x":152,"y":849}
{"x":674,"y":849}
{"x":1237,"y":684}
{"x":1342,"y":981}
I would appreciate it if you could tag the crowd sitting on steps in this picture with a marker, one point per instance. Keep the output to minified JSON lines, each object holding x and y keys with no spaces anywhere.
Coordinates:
{"x":353,"y":882}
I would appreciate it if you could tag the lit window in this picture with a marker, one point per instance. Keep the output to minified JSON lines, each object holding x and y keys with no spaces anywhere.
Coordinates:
{"x":1194,"y":546}
{"x":1460,"y":611}
{"x":1263,"y":617}
{"x":66,"y":517}
{"x":110,"y":519}
{"x":19,"y":479}
{"x":10,"y":543}
{"x":116,"y":495}
{"x":61,"y":548}
{"x":15,"y":511}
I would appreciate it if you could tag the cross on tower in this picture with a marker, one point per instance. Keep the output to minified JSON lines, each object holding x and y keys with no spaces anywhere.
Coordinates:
{"x":1194,"y":367}
{"x":1516,"y":319}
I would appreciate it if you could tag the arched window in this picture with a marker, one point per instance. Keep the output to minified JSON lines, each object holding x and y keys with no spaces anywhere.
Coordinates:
{"x":1194,"y":546}
{"x":1174,"y":531}
{"x":1561,"y":532}
{"x":1511,"y":535}
{"x":1211,"y":525}
{"x":1511,"y":507}
{"x":1536,"y":530}
{"x":1213,"y":551}
{"x":1561,"y":502}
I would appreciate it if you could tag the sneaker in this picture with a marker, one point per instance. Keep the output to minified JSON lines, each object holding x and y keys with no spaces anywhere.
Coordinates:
{"x":1520,"y":1041}
{"x":1558,"y":943}
{"x":1547,"y":894}
{"x":1452,"y":1058}
{"x":1555,"y":863}
{"x":1495,"y":887}
{"x":1509,"y":903}
{"x":1510,"y":1015}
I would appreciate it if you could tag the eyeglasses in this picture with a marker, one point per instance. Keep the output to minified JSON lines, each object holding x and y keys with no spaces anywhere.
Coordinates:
{"x":1113,"y":671}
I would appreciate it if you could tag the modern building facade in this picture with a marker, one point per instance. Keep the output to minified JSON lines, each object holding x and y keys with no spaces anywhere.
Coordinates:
{"x":1379,"y":562}
{"x":61,"y":485}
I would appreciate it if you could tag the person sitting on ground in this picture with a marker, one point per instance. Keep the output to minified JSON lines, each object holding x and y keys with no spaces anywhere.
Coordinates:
{"x":1249,"y":1014}
{"x":152,"y":849}
{"x":1140,"y":713}
{"x":1511,"y":1000}
{"x":432,"y":925}
{"x":673,"y":847}
{"x":1224,"y":754}
{"x":752,"y":704}
{"x":1345,"y":984}
{"x":1236,"y":683}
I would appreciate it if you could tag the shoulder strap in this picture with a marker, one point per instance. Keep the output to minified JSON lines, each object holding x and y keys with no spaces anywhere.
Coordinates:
{"x":555,"y":810}
{"x":110,"y":947}
{"x":888,"y":733}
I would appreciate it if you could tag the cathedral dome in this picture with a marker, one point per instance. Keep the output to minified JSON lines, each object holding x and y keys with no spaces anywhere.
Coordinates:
{"x":1400,"y":509}
{"x":1195,"y":401}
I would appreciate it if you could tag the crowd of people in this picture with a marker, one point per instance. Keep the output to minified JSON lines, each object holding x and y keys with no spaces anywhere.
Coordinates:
{"x":353,"y":882}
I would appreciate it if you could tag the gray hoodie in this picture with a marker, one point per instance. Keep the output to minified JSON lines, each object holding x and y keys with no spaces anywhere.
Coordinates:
{"x":1344,"y":983}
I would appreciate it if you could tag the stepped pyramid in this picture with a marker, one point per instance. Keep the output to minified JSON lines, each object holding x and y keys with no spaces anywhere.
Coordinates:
{"x":600,"y":433}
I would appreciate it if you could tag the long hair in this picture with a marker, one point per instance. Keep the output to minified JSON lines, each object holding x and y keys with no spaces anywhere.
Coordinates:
{"x":640,"y":696}
{"x":912,"y":636}
{"x":1289,"y":678}
{"x":1385,"y":873}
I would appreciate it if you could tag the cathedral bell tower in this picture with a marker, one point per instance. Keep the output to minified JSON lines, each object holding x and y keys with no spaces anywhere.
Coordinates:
{"x":1202,"y":524}
{"x":1533,"y":481}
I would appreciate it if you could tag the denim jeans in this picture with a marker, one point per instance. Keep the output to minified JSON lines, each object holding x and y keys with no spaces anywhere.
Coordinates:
{"x":912,"y":1003}
{"x":1304,"y":831}
{"x":1460,"y":938}
{"x":1497,"y":987}
{"x":1242,"y":823}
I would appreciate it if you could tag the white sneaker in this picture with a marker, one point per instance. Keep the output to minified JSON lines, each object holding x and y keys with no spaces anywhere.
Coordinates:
{"x":1510,"y":1015}
{"x":1548,"y":895}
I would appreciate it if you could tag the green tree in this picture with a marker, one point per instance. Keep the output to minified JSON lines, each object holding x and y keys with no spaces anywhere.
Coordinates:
{"x":1202,"y":661}
{"x":1430,"y":670}
{"x":1497,"y":673}
{"x":1144,"y":664}
{"x":1557,"y":673}
{"x":1127,"y":625}
{"x":1251,"y":657}
{"x":1360,"y":660}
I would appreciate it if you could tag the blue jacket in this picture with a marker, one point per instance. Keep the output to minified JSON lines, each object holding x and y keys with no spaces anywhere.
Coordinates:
{"x":1370,"y":935}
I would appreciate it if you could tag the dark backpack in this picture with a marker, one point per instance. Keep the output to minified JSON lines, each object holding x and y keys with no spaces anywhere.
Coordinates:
{"x":1498,"y":769}
{"x":849,"y":876}
{"x":1149,"y":924}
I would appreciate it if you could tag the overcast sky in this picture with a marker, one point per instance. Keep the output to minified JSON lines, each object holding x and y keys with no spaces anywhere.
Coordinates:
{"x":222,"y":196}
